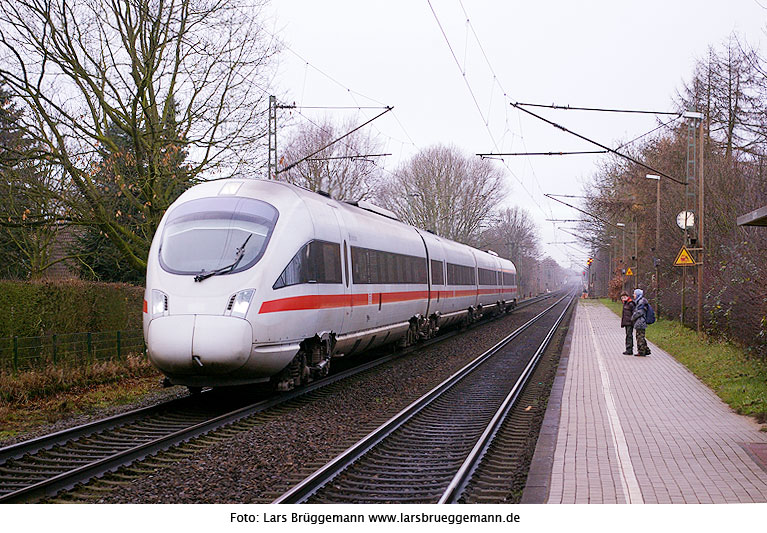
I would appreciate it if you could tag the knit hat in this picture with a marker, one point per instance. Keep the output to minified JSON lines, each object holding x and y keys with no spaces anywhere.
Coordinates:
{"x":638,"y":294}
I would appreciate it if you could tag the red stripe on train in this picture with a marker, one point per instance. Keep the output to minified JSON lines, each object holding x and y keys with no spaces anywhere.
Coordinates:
{"x":330,"y":301}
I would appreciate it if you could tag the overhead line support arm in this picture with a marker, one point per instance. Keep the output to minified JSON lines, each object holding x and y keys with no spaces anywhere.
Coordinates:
{"x":611,"y":150}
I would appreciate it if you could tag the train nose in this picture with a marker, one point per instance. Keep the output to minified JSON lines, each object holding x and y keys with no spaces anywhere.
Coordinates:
{"x":199,"y":344}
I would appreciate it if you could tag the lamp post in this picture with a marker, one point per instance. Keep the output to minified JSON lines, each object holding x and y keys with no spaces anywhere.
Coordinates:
{"x":622,"y":226}
{"x":636,"y":252}
{"x":657,"y":242}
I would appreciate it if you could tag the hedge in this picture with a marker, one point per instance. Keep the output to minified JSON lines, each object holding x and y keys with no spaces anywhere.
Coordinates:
{"x":44,"y":308}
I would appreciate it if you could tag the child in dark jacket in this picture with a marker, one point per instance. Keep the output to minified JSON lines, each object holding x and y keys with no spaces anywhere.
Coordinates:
{"x":639,"y":318}
{"x":628,"y":310}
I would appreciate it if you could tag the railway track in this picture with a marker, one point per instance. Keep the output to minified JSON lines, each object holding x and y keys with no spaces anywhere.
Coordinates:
{"x":44,"y":466}
{"x":430,"y":450}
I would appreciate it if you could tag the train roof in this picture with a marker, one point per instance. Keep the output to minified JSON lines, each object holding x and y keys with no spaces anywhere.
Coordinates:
{"x":250,"y":187}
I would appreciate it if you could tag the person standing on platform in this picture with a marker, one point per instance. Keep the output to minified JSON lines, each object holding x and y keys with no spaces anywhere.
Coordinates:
{"x":626,"y":323}
{"x":639,"y":319}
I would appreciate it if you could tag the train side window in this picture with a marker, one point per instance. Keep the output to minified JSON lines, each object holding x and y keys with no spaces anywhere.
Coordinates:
{"x":437,"y":273}
{"x":315,"y":262}
{"x":359,"y":265}
{"x":421,"y":271}
{"x":376,"y":258}
{"x":460,"y":275}
{"x":391,"y":268}
{"x":378,"y":267}
{"x":487,"y":277}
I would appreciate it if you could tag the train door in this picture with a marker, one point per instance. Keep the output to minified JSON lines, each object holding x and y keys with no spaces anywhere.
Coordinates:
{"x":344,"y":311}
{"x":428,"y":273}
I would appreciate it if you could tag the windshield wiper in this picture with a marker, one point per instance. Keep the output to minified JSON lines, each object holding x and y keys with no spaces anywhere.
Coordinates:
{"x":224,"y":270}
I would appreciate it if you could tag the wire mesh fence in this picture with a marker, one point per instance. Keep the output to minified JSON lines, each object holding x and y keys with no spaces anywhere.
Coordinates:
{"x":29,"y":353}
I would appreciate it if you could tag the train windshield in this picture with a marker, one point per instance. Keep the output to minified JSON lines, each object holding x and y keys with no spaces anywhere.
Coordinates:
{"x":212,"y":234}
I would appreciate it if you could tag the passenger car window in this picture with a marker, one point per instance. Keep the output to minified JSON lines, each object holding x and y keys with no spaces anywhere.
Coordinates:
{"x":378,"y":267}
{"x":315,"y":262}
{"x":437,"y":272}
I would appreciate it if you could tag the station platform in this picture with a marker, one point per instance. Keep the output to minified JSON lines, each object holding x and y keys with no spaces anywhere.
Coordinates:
{"x":627,"y":429}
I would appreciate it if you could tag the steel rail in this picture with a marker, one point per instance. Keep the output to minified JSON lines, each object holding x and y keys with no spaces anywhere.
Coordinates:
{"x":45,"y":442}
{"x":310,"y":485}
{"x":69,"y":479}
{"x":458,"y":484}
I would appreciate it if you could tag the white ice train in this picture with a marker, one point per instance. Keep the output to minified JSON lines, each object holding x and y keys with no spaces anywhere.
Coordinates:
{"x":250,"y":281}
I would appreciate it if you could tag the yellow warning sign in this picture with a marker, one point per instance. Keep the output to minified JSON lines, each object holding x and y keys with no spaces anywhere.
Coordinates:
{"x":684,"y":259}
{"x":629,"y":272}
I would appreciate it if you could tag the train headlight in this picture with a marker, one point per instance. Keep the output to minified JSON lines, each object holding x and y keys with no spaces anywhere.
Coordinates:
{"x":240,"y":303}
{"x":159,"y":303}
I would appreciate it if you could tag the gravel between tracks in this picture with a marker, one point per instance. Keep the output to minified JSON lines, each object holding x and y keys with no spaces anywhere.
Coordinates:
{"x":255,"y":465}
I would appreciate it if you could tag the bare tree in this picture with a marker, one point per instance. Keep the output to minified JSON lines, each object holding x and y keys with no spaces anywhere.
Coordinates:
{"x":513,"y":234}
{"x":182,"y":79}
{"x":728,"y":87}
{"x":338,"y":169}
{"x":444,"y":191}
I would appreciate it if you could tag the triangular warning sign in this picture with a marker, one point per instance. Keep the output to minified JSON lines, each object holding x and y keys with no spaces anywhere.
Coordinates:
{"x":684,"y":258}
{"x":629,"y":272}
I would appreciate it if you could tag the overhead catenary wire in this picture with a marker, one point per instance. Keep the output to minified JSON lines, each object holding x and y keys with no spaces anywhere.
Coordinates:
{"x":356,"y":156}
{"x":348,"y":90}
{"x":474,"y":98}
{"x":321,"y":128}
{"x":582,"y":211}
{"x":288,"y":167}
{"x":607,"y":149}
{"x":600,"y":109}
{"x":286,"y":106}
{"x":662,"y":125}
{"x":491,"y":154}
{"x":503,"y":91}
{"x":611,"y":150}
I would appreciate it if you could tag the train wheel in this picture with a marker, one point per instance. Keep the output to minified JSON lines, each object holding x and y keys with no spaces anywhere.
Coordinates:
{"x":294,"y":375}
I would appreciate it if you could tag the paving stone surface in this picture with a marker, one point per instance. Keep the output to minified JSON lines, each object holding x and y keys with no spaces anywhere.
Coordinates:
{"x":640,"y":429}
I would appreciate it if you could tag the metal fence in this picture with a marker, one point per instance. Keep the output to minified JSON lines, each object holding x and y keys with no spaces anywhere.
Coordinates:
{"x":28,"y":353}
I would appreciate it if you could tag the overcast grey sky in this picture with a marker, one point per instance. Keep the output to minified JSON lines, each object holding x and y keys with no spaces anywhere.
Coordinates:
{"x":588,"y":53}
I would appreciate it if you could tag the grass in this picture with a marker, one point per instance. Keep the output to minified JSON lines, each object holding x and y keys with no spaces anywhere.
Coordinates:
{"x":738,"y":378}
{"x":34,"y":398}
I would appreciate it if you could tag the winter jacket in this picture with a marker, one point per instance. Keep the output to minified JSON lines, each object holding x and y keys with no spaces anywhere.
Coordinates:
{"x":639,"y":316}
{"x":628,"y":310}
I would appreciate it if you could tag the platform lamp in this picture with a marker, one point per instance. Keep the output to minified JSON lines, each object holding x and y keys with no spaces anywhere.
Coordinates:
{"x":656,"y":260}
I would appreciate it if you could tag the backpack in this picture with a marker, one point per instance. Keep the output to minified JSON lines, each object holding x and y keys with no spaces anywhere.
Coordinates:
{"x":650,"y":318}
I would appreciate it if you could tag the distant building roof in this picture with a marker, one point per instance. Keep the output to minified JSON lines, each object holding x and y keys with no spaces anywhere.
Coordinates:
{"x":754,"y":218}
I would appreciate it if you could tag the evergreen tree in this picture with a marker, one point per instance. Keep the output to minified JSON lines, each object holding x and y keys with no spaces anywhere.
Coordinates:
{"x":17,"y":213}
{"x":117,"y":178}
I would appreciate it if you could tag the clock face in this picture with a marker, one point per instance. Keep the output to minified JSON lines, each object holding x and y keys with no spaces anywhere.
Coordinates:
{"x":680,"y":219}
